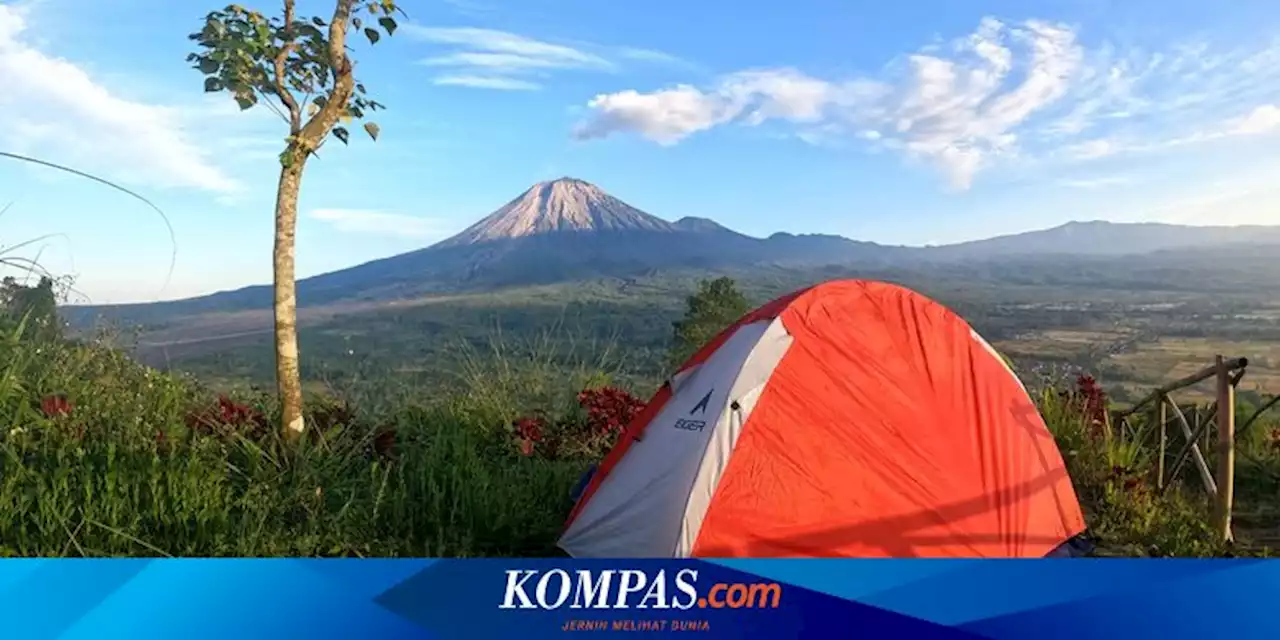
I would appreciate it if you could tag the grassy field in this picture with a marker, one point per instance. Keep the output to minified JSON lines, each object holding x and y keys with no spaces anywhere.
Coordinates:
{"x":103,"y":456}
{"x":1131,"y":345}
{"x":1135,"y":364}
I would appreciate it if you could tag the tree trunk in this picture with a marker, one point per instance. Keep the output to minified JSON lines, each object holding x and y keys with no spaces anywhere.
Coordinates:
{"x":285,"y":303}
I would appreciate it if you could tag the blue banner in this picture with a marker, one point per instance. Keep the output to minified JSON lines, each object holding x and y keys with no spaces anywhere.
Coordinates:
{"x":316,"y":599}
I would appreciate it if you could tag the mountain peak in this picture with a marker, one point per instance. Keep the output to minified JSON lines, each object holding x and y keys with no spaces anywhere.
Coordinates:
{"x":557,"y":206}
{"x":694,"y":223}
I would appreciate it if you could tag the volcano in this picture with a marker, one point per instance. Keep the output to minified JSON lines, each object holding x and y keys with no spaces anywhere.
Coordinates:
{"x":567,"y":205}
{"x":555,"y":231}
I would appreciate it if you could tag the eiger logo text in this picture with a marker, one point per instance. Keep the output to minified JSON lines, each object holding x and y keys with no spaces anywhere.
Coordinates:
{"x":701,"y":407}
{"x":691,"y":425}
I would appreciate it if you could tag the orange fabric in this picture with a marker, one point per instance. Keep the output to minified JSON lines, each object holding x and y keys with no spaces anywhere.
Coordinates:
{"x":888,"y":430}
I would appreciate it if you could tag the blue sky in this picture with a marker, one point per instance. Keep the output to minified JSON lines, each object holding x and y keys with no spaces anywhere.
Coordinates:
{"x":904,"y":122}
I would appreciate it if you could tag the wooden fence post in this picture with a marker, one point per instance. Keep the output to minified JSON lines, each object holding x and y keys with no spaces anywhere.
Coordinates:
{"x":1226,"y":450}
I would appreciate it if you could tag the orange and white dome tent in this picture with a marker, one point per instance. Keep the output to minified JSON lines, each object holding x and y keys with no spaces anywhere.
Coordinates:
{"x":849,"y":419}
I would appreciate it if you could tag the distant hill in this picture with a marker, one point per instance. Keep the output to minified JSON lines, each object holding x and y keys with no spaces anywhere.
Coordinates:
{"x":568,"y":229}
{"x":1100,"y":238}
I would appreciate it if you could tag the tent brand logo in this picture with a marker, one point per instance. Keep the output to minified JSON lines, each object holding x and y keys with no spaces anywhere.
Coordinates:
{"x":702,"y":404}
{"x":701,"y":407}
{"x":632,"y":589}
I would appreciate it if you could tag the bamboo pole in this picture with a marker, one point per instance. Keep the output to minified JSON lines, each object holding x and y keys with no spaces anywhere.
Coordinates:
{"x":1201,"y":466}
{"x":1164,"y":443}
{"x":1226,"y":449}
{"x":1202,"y":427}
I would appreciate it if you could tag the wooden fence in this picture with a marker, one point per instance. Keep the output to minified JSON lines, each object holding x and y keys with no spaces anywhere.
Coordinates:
{"x":1220,"y":486}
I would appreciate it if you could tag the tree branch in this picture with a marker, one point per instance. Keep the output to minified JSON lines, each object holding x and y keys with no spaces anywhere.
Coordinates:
{"x":313,"y":133}
{"x":295,"y":113}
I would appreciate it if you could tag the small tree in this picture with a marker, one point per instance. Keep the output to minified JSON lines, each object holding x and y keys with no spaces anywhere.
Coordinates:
{"x":299,"y":68}
{"x":716,"y":305}
{"x":35,"y":307}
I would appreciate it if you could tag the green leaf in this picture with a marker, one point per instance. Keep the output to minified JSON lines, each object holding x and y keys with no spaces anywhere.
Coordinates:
{"x":246,"y":100}
{"x":372,"y":129}
{"x":389,"y":24}
{"x":318,"y":22}
{"x":212,"y":84}
{"x":320,"y":101}
{"x":372,"y":35}
{"x":360,"y":88}
{"x":357,"y":22}
{"x":208,"y":66}
{"x":341,"y":134}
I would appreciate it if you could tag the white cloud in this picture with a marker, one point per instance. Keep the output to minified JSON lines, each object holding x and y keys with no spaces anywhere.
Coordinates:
{"x":1095,"y":183}
{"x":499,"y":55}
{"x":485,"y":82}
{"x":670,"y":115}
{"x":379,"y":223}
{"x":492,"y":59}
{"x":1264,"y":119}
{"x":1092,"y":149}
{"x":655,"y":57}
{"x":1005,"y":93}
{"x":57,"y":111}
{"x":666,"y":117}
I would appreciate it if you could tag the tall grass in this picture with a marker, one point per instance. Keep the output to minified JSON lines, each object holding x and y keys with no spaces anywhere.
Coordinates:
{"x":124,"y":473}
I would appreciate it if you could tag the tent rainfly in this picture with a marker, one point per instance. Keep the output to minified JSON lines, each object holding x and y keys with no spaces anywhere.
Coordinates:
{"x":849,"y":419}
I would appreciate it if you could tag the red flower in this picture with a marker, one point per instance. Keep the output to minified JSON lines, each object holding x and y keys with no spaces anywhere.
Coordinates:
{"x":1089,"y":399}
{"x":528,"y":431}
{"x":609,"y":409}
{"x":56,"y":406}
{"x":530,"y":428}
{"x":228,"y":415}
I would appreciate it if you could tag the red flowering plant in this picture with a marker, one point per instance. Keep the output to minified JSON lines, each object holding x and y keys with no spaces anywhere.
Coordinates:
{"x":529,"y":431}
{"x":603,"y":414}
{"x":56,"y":406}
{"x":1090,"y":400}
{"x":59,"y":409}
{"x":228,"y":417}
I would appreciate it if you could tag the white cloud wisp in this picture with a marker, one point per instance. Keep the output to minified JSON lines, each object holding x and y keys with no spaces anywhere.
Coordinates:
{"x":55,"y":110}
{"x":492,"y":59}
